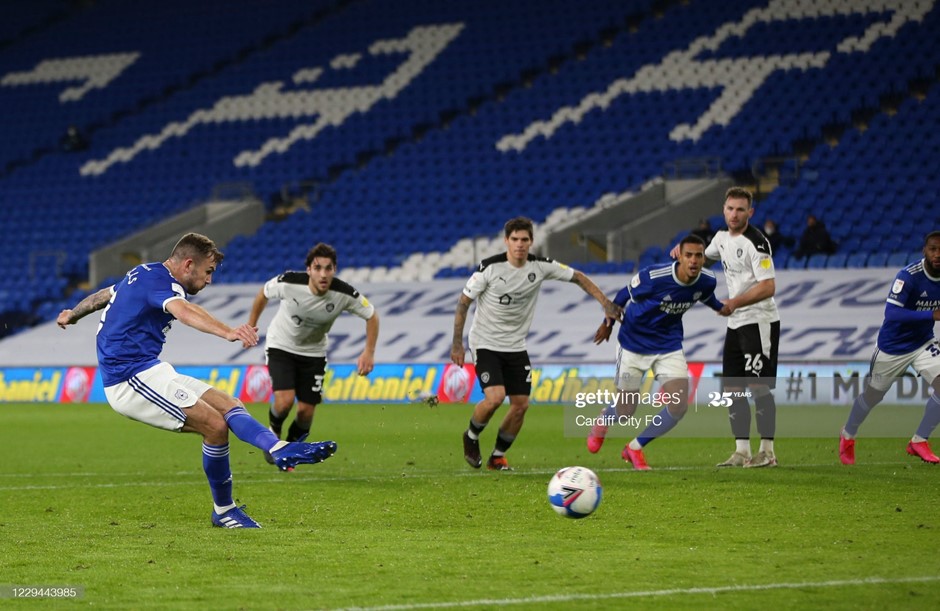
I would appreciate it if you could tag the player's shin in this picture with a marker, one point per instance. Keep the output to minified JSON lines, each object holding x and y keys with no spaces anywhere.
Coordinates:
{"x":931,"y":417}
{"x":250,"y":430}
{"x":215,"y":463}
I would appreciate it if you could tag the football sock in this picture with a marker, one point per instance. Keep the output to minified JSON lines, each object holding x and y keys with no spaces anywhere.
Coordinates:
{"x":765,"y":412}
{"x":742,"y":446}
{"x":739,"y":413}
{"x":296,"y":431}
{"x":475,"y":429}
{"x":249,"y":430}
{"x":276,"y":421}
{"x":215,"y":464}
{"x":663,"y":422}
{"x":857,"y":416}
{"x":931,"y":417}
{"x":636,"y":445}
{"x":767,"y":445}
{"x":503,"y":442}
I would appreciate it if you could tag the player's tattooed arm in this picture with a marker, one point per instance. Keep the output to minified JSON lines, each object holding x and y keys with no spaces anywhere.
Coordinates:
{"x":611,"y":309}
{"x":457,"y":353}
{"x":86,"y":306}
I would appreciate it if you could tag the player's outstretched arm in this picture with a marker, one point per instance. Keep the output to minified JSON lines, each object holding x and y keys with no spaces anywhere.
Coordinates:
{"x":86,"y":306}
{"x":457,"y":352}
{"x":257,"y":307}
{"x":611,"y":309}
{"x":366,"y":362}
{"x":198,"y":318}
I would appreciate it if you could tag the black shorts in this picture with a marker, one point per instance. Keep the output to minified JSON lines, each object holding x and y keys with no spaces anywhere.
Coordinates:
{"x":302,"y":374}
{"x":751,"y":352}
{"x":510,"y":369}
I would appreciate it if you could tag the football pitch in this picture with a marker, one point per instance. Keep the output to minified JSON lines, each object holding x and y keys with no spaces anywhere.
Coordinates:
{"x":397,"y":520}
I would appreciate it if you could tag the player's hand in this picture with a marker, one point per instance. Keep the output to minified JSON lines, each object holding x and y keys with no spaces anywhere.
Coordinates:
{"x":64,"y":319}
{"x":727,"y":309}
{"x":613,"y":311}
{"x":603,"y":332}
{"x":674,"y":253}
{"x":457,"y":354}
{"x":366,"y":363}
{"x":246,"y":334}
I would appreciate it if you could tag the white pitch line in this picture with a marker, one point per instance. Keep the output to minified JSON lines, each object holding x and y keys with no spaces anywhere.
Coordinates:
{"x":562,"y":598}
{"x":284,"y":478}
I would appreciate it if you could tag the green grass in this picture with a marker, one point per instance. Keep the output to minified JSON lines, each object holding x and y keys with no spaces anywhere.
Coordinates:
{"x":88,"y":498}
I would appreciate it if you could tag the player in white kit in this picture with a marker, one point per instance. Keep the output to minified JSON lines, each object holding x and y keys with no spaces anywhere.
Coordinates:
{"x":506,"y":288}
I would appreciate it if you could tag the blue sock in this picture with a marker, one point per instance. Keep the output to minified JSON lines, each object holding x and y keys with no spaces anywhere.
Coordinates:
{"x":857,"y":416}
{"x":250,"y":430}
{"x":218,"y":472}
{"x":931,"y":417}
{"x":663,"y":422}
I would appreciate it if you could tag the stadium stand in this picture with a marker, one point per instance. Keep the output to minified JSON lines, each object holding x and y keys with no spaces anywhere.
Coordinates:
{"x":413,"y":129}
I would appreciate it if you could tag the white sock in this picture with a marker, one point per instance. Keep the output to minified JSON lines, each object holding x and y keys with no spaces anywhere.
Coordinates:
{"x":472,"y":435}
{"x":918,"y":439}
{"x":635,"y":445}
{"x":846,"y":435}
{"x":767,"y":445}
{"x":743,"y":446}
{"x":220,"y":510}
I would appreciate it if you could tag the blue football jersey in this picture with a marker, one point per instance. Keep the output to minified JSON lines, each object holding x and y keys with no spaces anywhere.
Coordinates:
{"x":134,"y":325}
{"x":909,"y":323}
{"x":652,"y":321}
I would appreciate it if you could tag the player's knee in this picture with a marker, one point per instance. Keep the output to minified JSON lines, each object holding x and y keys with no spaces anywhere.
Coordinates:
{"x":677,"y":410}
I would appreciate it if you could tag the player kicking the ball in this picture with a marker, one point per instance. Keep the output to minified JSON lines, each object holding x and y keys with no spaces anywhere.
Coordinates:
{"x":506,"y":287}
{"x":651,"y":339}
{"x":138,"y":313}
{"x":905,"y":340}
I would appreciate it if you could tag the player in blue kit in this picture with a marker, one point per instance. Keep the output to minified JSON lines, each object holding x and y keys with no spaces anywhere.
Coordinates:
{"x":905,"y":340}
{"x":138,"y":312}
{"x":651,"y":338}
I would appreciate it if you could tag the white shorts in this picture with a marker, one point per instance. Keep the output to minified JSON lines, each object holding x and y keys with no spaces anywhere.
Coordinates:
{"x":632,"y":367}
{"x":156,"y":396}
{"x":886,"y":368}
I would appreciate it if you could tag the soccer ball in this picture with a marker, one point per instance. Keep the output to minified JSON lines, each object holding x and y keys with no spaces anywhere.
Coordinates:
{"x":574,"y":492}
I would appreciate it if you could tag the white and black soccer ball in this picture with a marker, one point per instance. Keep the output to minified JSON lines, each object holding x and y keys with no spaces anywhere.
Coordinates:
{"x":574,"y":492}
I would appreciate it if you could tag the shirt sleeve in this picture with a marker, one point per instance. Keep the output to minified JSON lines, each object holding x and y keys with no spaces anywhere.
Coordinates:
{"x":360,"y":306}
{"x":476,"y":285}
{"x":640,"y":285}
{"x":274,"y":289}
{"x":712,"y":251}
{"x":554,"y":270}
{"x":762,"y":264}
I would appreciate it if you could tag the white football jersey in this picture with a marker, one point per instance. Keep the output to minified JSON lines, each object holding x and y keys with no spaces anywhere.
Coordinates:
{"x":746,"y":260}
{"x":506,"y":298}
{"x":304,"y":319}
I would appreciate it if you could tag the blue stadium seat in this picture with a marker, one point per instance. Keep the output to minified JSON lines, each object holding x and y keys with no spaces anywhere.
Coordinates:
{"x":817,"y":261}
{"x":838,"y":260}
{"x":877,"y":259}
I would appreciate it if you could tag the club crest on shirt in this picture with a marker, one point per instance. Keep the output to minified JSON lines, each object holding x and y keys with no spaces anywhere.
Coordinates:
{"x":181,"y":395}
{"x":898,"y":286}
{"x":739,"y":252}
{"x":531,"y":276}
{"x":330,"y":307}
